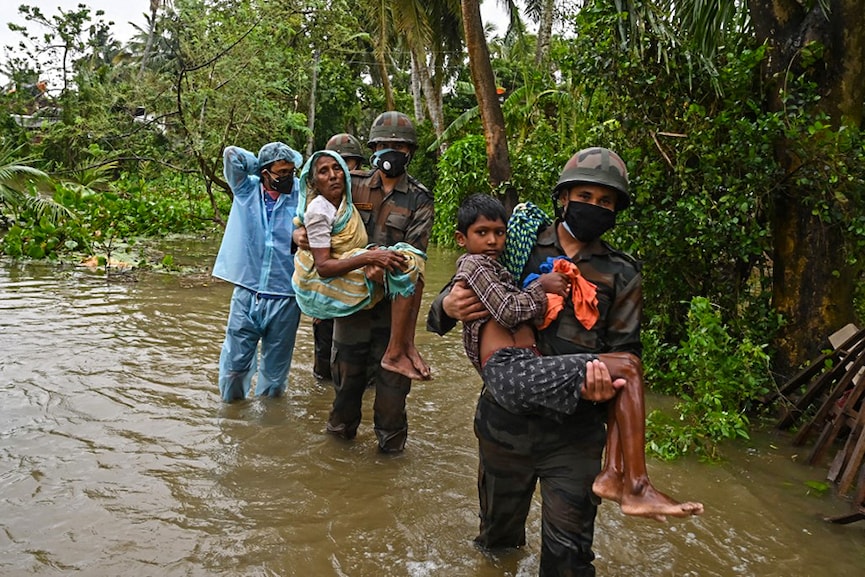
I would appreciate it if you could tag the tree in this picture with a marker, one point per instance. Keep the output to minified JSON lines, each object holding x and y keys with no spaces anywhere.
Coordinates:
{"x":151,"y":32}
{"x":824,"y":43}
{"x":14,"y":176}
{"x":812,"y":83}
{"x":495,"y":135}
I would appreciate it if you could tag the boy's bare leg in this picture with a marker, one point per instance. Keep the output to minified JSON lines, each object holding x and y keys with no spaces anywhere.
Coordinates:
{"x":626,"y":443}
{"x":609,"y":482}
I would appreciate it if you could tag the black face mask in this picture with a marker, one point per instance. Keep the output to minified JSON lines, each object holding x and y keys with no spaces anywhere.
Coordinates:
{"x":586,"y":222}
{"x":389,"y":161}
{"x":282,"y":185}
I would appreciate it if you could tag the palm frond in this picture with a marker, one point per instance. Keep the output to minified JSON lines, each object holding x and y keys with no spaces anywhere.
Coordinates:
{"x":457,"y":125}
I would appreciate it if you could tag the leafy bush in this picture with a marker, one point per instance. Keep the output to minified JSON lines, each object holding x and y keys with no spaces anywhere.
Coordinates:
{"x":717,"y":378}
{"x":126,"y":210}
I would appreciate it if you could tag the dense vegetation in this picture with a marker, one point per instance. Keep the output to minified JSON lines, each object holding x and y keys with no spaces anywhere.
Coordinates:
{"x":125,"y":142}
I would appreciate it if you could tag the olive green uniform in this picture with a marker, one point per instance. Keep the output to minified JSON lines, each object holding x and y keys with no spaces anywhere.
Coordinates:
{"x":517,"y":450}
{"x":359,"y":341}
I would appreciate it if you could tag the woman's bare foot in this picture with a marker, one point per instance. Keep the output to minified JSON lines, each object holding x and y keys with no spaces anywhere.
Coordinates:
{"x":646,"y":501}
{"x":608,"y":485}
{"x":402,"y":365}
{"x":419,"y":364}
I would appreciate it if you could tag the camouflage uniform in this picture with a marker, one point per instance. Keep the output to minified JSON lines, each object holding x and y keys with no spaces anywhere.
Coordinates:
{"x":359,"y":341}
{"x":516,"y":450}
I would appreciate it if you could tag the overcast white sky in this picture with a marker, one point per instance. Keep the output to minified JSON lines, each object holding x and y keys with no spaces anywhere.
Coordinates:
{"x":121,"y":12}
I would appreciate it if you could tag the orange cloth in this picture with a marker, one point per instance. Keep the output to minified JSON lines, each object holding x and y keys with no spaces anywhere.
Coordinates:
{"x":583,"y":293}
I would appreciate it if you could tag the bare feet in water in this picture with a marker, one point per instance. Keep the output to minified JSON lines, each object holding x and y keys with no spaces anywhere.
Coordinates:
{"x":643,"y":500}
{"x":402,"y":365}
{"x":419,"y":364}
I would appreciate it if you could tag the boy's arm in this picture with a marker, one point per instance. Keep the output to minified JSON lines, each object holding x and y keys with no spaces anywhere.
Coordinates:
{"x":238,"y":165}
{"x":507,"y":304}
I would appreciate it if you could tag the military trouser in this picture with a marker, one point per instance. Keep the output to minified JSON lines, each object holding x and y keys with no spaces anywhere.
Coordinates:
{"x":322,"y":334}
{"x":515,"y":451}
{"x":359,"y":342}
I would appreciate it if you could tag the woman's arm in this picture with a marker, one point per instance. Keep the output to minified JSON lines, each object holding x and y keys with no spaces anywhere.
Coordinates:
{"x":327,"y":266}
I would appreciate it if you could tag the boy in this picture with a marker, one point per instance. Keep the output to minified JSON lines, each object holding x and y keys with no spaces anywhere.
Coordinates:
{"x":332,"y":278}
{"x":502,"y":348}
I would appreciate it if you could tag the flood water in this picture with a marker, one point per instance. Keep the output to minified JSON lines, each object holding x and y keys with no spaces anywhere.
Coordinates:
{"x":117,"y":457}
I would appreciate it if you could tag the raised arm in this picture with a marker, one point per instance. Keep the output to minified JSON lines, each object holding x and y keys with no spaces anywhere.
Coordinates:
{"x":238,"y":165}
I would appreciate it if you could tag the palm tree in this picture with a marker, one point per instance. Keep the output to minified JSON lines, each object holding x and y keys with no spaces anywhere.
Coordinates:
{"x":492,"y":119}
{"x":14,"y":177}
{"x":154,"y":8}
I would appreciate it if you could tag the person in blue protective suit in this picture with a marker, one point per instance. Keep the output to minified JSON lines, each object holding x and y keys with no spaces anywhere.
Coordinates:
{"x":256,"y":257}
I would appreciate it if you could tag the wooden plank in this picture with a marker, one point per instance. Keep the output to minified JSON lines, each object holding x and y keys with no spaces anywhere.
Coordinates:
{"x":802,"y":377}
{"x":852,"y":342}
{"x":830,"y":432}
{"x":838,"y":462}
{"x":816,"y":389}
{"x":848,"y":518}
{"x":859,"y":499}
{"x":834,"y":395}
{"x":854,"y":460}
{"x":844,"y":337}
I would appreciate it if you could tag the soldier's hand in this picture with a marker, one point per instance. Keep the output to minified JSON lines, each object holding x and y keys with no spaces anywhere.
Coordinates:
{"x":300,"y":238}
{"x":599,"y":385}
{"x":463,"y":304}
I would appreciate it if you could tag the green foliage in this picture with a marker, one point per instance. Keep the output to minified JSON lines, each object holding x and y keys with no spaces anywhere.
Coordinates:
{"x":462,"y":172}
{"x":819,"y":488}
{"x":129,"y":209}
{"x":716,"y":376}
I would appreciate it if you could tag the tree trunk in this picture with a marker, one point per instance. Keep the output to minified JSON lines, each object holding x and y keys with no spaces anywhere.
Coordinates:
{"x":545,"y":31}
{"x":310,"y":141}
{"x":498,"y":160}
{"x":813,"y":285}
{"x":416,"y":91}
{"x":433,"y":100}
{"x":389,"y":102}
{"x":154,"y":6}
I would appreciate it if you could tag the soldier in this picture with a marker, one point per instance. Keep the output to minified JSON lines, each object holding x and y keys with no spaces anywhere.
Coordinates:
{"x":349,"y":148}
{"x":395,"y":207}
{"x":517,"y":450}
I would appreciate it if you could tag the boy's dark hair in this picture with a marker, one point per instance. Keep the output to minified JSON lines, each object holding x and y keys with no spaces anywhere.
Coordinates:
{"x":476,"y":206}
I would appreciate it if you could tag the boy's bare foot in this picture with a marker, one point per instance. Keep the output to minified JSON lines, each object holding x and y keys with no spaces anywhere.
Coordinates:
{"x":402,"y":365}
{"x":608,"y":485}
{"x":419,"y":364}
{"x":649,"y":502}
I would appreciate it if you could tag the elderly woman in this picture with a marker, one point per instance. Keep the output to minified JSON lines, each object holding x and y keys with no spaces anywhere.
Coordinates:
{"x":337,"y":275}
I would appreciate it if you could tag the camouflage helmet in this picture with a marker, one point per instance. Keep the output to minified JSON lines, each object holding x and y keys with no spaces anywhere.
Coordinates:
{"x":392,"y":127}
{"x":597,"y":166}
{"x":346,"y":145}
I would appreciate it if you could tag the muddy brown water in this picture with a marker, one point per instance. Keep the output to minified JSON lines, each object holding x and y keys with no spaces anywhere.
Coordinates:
{"x":117,"y":457}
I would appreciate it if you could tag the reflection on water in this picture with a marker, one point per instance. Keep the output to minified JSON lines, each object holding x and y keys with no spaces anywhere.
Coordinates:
{"x":116,"y":456}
